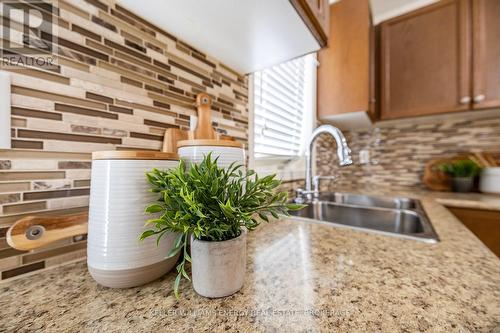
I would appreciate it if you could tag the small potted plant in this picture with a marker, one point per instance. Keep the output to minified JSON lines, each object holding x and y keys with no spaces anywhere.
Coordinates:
{"x":212,"y":207}
{"x":462,"y":174}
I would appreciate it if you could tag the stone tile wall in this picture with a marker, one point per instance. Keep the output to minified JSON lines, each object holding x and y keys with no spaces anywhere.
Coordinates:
{"x":400,"y":150}
{"x":119,"y":83}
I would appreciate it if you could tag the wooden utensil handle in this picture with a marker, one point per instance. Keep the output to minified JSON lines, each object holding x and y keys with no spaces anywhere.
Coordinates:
{"x":33,"y":232}
{"x":204,"y":128}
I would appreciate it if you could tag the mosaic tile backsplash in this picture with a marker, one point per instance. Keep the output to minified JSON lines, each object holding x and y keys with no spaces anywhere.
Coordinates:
{"x":399,"y":152}
{"x":120,"y":82}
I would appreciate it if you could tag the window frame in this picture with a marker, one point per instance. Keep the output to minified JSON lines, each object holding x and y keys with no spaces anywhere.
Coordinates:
{"x":287,"y":167}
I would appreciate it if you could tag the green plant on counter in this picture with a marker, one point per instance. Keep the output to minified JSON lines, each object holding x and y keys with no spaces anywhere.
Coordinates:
{"x":210,"y":202}
{"x":461,"y":168}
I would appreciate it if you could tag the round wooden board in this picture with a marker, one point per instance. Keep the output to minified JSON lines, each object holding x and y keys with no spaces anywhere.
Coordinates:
{"x":133,"y":155}
{"x":435,"y":179}
{"x":206,"y":142}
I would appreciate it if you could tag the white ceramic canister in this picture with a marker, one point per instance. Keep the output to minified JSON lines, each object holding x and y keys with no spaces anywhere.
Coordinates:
{"x":193,"y":151}
{"x":489,"y":181}
{"x":119,"y":192}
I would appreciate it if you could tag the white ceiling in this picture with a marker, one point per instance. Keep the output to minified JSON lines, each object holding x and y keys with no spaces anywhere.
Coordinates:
{"x":386,"y":9}
{"x":246,"y":35}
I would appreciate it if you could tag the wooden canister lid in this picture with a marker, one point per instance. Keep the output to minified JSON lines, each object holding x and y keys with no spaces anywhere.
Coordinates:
{"x":133,"y":155}
{"x":207,"y":142}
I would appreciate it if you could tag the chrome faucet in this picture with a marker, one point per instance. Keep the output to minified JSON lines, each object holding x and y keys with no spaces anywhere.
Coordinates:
{"x":316,"y":180}
{"x":343,"y":153}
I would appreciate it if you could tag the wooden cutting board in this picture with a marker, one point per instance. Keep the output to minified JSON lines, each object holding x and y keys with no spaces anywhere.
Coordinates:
{"x":491,"y":159}
{"x":203,"y":130}
{"x":435,"y":179}
{"x":33,"y":232}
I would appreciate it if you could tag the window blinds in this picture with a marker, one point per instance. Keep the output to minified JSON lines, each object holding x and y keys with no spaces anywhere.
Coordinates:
{"x":279,"y":106}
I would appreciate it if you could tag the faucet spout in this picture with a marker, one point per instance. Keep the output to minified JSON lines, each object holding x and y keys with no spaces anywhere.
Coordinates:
{"x":343,"y":151}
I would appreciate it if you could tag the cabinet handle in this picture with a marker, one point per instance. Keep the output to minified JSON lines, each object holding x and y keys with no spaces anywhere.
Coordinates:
{"x":479,"y":98}
{"x":465,"y":100}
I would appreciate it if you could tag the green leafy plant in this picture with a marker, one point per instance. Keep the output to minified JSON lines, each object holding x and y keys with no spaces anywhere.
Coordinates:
{"x":461,"y":168}
{"x":211,"y":203}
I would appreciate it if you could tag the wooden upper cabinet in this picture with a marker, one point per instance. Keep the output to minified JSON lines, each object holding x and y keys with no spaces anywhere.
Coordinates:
{"x":345,"y":66}
{"x":315,"y":15}
{"x":486,"y":53}
{"x":425,"y":61}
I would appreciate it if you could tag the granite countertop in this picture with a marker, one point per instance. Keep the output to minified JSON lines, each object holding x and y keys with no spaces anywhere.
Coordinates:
{"x":301,"y":276}
{"x":469,"y":200}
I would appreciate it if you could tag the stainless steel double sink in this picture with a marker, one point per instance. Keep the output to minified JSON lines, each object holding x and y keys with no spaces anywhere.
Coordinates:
{"x":401,"y":217}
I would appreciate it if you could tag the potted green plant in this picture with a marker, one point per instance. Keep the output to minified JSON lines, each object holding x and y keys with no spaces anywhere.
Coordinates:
{"x":213,"y":207}
{"x":462,"y":173}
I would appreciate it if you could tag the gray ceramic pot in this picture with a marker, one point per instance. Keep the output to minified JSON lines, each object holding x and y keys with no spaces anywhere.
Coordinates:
{"x":462,"y":184}
{"x":218,"y":268}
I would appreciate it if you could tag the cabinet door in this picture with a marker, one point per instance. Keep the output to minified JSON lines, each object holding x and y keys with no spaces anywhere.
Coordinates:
{"x":344,"y":66}
{"x":320,"y":11}
{"x":316,"y":16}
{"x":485,"y":224}
{"x":486,"y":53}
{"x":425,"y":59}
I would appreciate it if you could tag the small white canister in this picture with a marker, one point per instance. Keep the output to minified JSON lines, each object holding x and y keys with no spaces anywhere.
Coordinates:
{"x":489,"y":181}
{"x":119,"y":192}
{"x":193,"y":151}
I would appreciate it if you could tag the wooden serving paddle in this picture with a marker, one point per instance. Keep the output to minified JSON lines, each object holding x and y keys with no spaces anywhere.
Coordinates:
{"x":172,"y":135}
{"x":203,"y":131}
{"x":32,"y":232}
{"x":204,"y":128}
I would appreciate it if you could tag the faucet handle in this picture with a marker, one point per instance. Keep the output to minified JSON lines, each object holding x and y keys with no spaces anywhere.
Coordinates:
{"x":316,"y":180}
{"x":301,"y":195}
